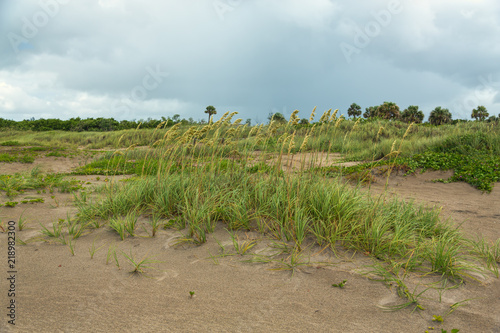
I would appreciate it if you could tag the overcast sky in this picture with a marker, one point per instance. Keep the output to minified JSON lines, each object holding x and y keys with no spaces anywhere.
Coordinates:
{"x":132,"y":59}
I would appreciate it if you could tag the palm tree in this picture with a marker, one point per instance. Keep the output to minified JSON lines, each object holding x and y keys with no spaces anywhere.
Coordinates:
{"x":440,"y":116}
{"x":412,"y":115}
{"x":480,"y":113}
{"x":388,"y":110}
{"x":210,"y":110}
{"x":370,"y":112}
{"x":354,"y":110}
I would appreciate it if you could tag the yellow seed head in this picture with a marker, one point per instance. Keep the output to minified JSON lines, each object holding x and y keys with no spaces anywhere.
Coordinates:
{"x":227,"y":121}
{"x":356,"y":124}
{"x":218,"y":122}
{"x":313,"y":113}
{"x":253,"y":130}
{"x":337,"y":123}
{"x":293,"y":117}
{"x":333,"y":117}
{"x":322,"y":118}
{"x":407,"y":130}
{"x":172,"y":131}
{"x":304,"y":143}
{"x":327,"y":117}
{"x":230,"y":132}
{"x":392,"y":147}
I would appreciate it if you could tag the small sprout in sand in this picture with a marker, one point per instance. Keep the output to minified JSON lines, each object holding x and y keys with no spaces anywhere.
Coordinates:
{"x":22,"y":222}
{"x":55,"y":232}
{"x":191,"y":294}
{"x":93,"y":250}
{"x":155,"y":224}
{"x":112,"y":252}
{"x":119,"y":226}
{"x":340,"y":284}
{"x":71,"y":246}
{"x":241,"y":247}
{"x":139,"y":265}
{"x":19,"y":241}
{"x":439,"y":319}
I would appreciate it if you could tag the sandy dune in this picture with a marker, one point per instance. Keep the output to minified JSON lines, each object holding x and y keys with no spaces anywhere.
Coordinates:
{"x":59,"y":292}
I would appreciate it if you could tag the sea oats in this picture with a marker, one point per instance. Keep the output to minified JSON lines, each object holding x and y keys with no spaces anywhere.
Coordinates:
{"x":333,"y":117}
{"x":313,"y":113}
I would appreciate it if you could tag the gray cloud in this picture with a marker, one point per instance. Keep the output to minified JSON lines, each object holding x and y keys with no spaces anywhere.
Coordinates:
{"x":92,"y":58}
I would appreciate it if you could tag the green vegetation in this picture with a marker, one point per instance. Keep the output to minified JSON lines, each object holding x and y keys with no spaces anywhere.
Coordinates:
{"x":140,"y":265}
{"x":7,"y":158}
{"x":80,"y":125}
{"x":440,"y":116}
{"x":201,"y":176}
{"x":354,"y":110}
{"x":412,"y":115}
{"x":194,"y":178}
{"x":474,"y":157}
{"x":340,"y":284}
{"x":480,"y":113}
{"x":210,"y":110}
{"x":16,"y":184}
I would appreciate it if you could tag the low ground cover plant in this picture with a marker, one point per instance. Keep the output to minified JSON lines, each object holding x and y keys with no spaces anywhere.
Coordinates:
{"x":17,"y":183}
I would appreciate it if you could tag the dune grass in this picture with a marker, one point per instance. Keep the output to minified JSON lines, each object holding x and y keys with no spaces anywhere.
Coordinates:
{"x":200,"y":176}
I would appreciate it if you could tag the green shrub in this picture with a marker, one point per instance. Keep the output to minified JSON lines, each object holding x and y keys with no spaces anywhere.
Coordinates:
{"x":7,"y":158}
{"x":10,"y":143}
{"x":27,"y":159}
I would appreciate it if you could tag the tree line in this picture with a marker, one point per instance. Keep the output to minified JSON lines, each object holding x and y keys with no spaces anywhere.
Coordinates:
{"x":412,"y":114}
{"x":387,"y":110}
{"x":91,"y":124}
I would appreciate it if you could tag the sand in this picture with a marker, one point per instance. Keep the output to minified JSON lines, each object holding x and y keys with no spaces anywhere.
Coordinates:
{"x":59,"y":292}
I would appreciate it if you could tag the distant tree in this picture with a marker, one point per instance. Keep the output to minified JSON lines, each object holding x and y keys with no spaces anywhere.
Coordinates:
{"x":279,"y":117}
{"x":210,"y":110}
{"x":354,"y":110}
{"x":440,"y":116}
{"x":388,"y":110}
{"x":490,"y":119}
{"x":370,"y":112}
{"x":412,"y":115}
{"x":176,"y":118}
{"x":304,"y":121}
{"x":248,"y":122}
{"x":480,"y":113}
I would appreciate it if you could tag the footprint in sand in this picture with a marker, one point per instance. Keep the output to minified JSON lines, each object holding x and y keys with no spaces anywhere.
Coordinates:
{"x":169,"y":273}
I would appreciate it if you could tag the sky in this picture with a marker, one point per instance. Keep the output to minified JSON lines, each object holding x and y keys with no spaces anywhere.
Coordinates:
{"x":131,"y":59}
